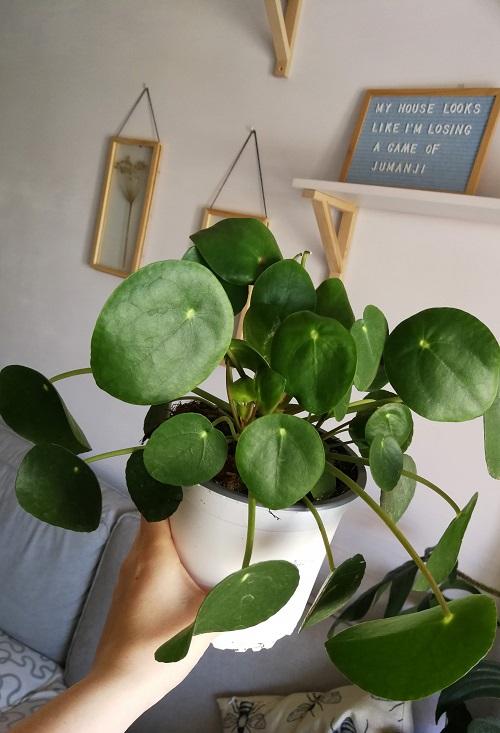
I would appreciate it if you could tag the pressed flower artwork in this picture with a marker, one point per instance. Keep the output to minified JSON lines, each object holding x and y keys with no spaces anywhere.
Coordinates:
{"x":125,"y":205}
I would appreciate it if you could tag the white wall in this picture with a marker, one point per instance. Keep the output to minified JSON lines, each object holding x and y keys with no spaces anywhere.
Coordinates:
{"x":71,"y":69}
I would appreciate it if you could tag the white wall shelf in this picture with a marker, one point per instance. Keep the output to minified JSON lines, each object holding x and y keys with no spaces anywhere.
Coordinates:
{"x":409,"y":201}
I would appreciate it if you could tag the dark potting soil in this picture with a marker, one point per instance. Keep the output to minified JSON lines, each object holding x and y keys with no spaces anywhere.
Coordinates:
{"x":229,"y":477}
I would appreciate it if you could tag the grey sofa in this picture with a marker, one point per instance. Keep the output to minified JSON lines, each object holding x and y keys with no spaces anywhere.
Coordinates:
{"x":56,"y":587}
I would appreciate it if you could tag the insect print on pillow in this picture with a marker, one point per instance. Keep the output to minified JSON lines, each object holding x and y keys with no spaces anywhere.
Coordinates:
{"x":314,"y":699}
{"x":245,"y":717}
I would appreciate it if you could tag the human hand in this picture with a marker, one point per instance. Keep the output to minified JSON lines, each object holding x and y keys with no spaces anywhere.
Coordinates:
{"x":154,"y":599}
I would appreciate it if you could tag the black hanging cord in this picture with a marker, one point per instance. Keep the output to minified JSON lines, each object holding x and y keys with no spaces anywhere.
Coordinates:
{"x":254,"y":134}
{"x":145,"y":91}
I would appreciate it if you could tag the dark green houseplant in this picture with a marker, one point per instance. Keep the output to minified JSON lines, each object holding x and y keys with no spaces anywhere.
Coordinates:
{"x":482,"y":681}
{"x":165,"y":330}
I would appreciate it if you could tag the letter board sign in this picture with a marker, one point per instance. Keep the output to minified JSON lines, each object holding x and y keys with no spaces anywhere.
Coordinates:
{"x":434,"y":139}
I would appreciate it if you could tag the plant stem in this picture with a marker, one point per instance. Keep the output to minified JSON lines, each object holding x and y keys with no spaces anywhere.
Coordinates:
{"x":396,"y":532}
{"x":234,"y":361}
{"x":368,"y":404}
{"x":250,"y":530}
{"x":112,"y":454}
{"x":229,"y":422}
{"x":74,"y":373}
{"x":229,"y":381}
{"x":321,"y":420}
{"x":304,"y":258}
{"x":408,"y":474}
{"x":435,"y":488}
{"x":322,"y":529}
{"x":336,"y":430}
{"x":224,"y":406}
{"x":253,"y":413}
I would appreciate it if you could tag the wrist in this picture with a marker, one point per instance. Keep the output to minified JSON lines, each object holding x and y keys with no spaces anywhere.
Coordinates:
{"x":126,"y":693}
{"x":142,"y":679}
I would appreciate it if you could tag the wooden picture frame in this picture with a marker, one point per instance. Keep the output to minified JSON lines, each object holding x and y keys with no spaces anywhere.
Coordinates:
{"x":208,"y":220}
{"x":125,"y":205}
{"x":427,"y":139}
{"x":210,"y":214}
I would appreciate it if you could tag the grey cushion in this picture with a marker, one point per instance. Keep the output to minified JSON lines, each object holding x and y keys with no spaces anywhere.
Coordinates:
{"x":28,"y":705}
{"x":88,"y":632}
{"x":45,"y":571}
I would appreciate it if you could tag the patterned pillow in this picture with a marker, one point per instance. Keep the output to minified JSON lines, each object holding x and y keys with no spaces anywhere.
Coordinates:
{"x":345,"y":710}
{"x":26,"y":677}
{"x":34,"y":700}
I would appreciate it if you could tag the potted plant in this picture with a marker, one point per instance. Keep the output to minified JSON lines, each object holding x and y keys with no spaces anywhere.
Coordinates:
{"x":165,"y":329}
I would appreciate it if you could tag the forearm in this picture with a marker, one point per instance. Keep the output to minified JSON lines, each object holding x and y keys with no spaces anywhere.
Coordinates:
{"x":110,"y":703}
{"x":96,"y":704}
{"x":154,"y":599}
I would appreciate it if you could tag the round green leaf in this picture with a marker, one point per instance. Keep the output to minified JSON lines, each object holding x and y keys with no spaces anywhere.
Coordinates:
{"x":317,"y":357}
{"x":396,"y":502}
{"x":155,"y":416}
{"x":326,"y":486}
{"x":177,"y":647}
{"x":380,"y":378}
{"x":260,"y":324}
{"x":59,"y":488}
{"x":412,"y":656}
{"x":247,"y":356}
{"x":492,"y":437}
{"x":444,"y":363}
{"x":244,"y":391}
{"x":245,"y":598}
{"x":445,"y":554}
{"x":155,"y":501}
{"x":287,"y":286}
{"x":33,"y":408}
{"x":357,"y":433}
{"x":270,"y":389}
{"x":185,"y":450}
{"x":248,"y":597}
{"x":238,"y":250}
{"x":386,"y":461}
{"x":332,"y":302}
{"x":391,"y":419}
{"x":340,"y":409}
{"x":369,"y":334}
{"x":161,"y":333}
{"x":237,"y":294}
{"x":380,"y":394}
{"x":338,"y":588}
{"x":280,"y":458}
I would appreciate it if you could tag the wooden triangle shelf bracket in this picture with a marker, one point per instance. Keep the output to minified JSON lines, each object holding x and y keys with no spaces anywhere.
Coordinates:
{"x":283,"y":30}
{"x":335,"y":243}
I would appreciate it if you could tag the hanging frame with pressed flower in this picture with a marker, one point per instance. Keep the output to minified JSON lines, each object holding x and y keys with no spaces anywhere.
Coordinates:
{"x":125,"y":206}
{"x":212,"y":216}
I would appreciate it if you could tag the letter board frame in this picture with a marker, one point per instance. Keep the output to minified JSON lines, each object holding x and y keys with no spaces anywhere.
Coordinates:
{"x":426,"y":139}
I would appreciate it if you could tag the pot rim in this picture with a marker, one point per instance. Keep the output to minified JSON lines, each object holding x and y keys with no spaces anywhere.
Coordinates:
{"x":336,"y":501}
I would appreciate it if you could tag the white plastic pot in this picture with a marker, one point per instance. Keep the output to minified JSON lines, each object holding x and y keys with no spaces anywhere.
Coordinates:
{"x":209,"y":531}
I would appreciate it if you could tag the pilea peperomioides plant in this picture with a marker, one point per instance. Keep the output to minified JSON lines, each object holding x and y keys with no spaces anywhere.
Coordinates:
{"x":166,"y":328}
